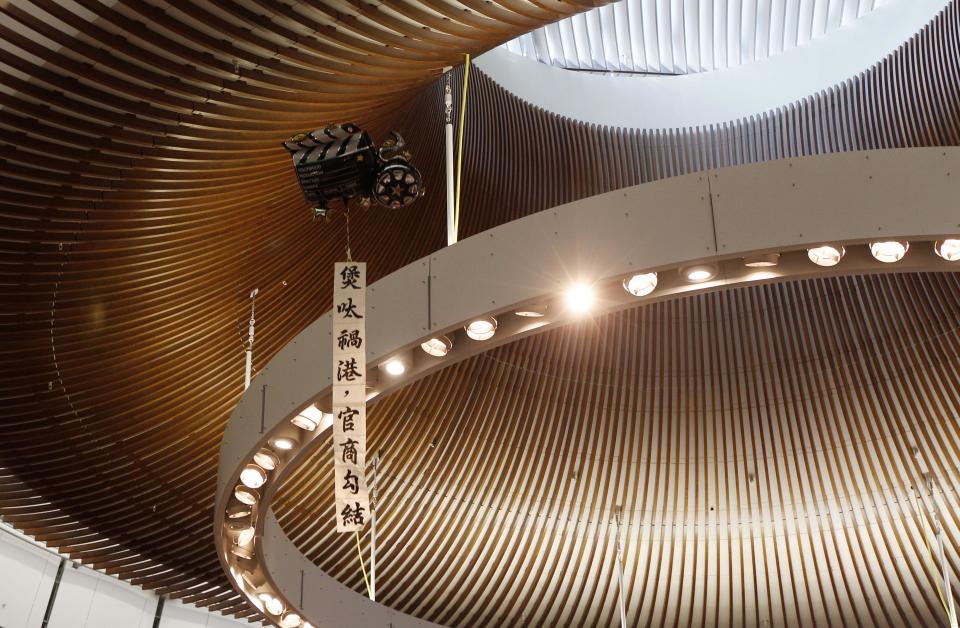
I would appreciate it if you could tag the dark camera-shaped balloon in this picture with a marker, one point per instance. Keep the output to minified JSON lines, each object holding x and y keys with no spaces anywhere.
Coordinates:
{"x":339,"y":163}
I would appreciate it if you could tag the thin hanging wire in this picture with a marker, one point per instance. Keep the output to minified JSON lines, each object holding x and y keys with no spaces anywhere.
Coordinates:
{"x":346,"y":212}
{"x":363,"y":568}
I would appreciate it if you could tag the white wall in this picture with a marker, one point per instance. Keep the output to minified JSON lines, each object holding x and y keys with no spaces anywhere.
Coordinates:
{"x":86,"y":598}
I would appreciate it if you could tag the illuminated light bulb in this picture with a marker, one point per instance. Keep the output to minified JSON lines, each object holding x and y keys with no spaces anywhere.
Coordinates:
{"x":291,"y":620}
{"x":253,"y":476}
{"x":266,"y":459}
{"x":889,"y":251}
{"x":948,"y":249}
{"x":283,"y":442}
{"x":246,"y":495}
{"x":700,"y":273}
{"x":437,"y":347}
{"x":245,"y":536}
{"x":533,"y":310}
{"x":641,"y":285}
{"x":826,"y":255}
{"x":309,"y":419}
{"x":482,"y":328}
{"x":395,"y":367}
{"x":763,"y":260}
{"x":274,"y":606}
{"x":238,"y":512}
{"x":579,"y":298}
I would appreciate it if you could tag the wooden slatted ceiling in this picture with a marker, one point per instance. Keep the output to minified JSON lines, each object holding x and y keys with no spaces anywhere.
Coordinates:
{"x":759,"y":441}
{"x":144,"y":193}
{"x":140,"y":203}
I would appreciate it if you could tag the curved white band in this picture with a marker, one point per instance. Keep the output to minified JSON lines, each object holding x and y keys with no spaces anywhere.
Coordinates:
{"x":691,"y":100}
{"x":717,"y":216}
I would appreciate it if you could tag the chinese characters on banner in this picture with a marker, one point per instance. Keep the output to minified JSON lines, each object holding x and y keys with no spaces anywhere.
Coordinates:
{"x":349,"y":395}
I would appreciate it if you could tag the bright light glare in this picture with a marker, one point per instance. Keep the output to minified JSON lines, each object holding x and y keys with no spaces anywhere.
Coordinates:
{"x":889,"y":251}
{"x":274,"y":606}
{"x":641,"y":285}
{"x":253,"y":476}
{"x":291,"y":620}
{"x":826,"y":255}
{"x":482,"y":328}
{"x":948,"y":249}
{"x":699,"y":273}
{"x":395,"y":367}
{"x":284,"y":443}
{"x":580,"y":298}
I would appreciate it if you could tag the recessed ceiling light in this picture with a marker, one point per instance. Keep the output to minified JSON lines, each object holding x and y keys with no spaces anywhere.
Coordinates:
{"x":308,"y":419}
{"x":291,"y":620}
{"x":283,"y":442}
{"x":274,"y":606}
{"x":481,"y":328}
{"x":246,"y":536}
{"x":253,"y":476}
{"x":889,"y":251}
{"x":395,"y":367}
{"x":700,"y":272}
{"x":246,"y":495}
{"x":266,"y":459}
{"x":948,"y":249}
{"x":437,"y":347}
{"x":579,"y":298}
{"x":826,"y":255}
{"x":764,"y":260}
{"x":238,"y":511}
{"x":529,"y":313}
{"x":641,"y":285}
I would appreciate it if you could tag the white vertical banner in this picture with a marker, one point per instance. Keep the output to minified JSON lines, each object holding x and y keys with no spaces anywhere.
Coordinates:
{"x":352,"y":501}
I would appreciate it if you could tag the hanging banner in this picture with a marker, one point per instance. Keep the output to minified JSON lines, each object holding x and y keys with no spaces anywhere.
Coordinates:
{"x":352,"y":501}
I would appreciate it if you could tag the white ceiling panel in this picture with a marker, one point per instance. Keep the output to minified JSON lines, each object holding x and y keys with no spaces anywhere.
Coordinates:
{"x":685,"y":36}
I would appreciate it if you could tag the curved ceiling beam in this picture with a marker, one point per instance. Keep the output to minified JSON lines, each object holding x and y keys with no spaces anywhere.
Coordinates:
{"x":714,"y":219}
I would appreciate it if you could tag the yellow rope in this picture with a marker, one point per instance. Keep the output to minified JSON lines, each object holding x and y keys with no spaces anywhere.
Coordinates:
{"x":362,"y":567}
{"x":930,"y":557}
{"x":463,"y":112}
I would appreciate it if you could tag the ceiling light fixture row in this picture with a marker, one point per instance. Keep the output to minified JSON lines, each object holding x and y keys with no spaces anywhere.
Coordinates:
{"x":580,"y":297}
{"x":826,"y":255}
{"x":242,"y":516}
{"x":265,"y":463}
